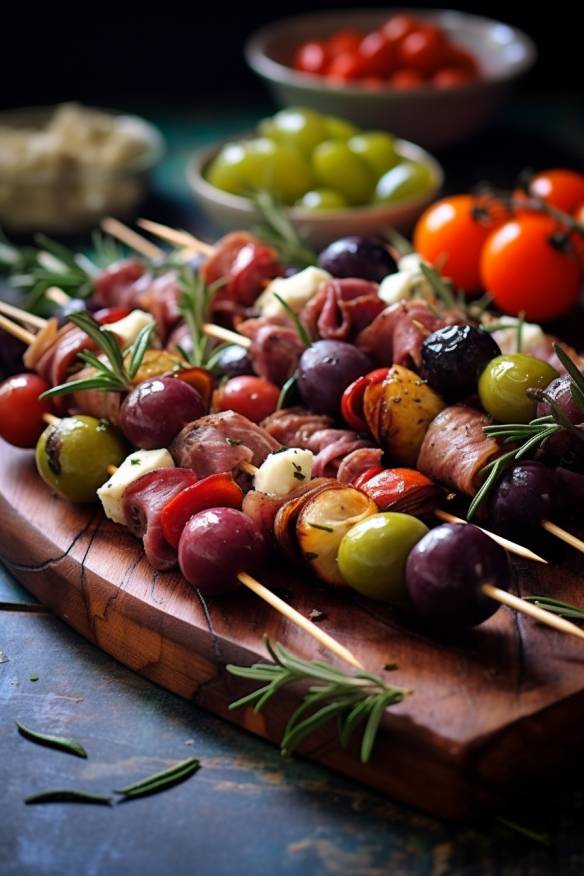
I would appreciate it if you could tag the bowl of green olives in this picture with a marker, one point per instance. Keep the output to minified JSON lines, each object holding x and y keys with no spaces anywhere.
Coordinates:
{"x":331,"y":178}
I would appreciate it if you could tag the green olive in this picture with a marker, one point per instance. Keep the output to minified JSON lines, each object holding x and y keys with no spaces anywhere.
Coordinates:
{"x":504,"y":383}
{"x":73,"y":456}
{"x":372,"y":555}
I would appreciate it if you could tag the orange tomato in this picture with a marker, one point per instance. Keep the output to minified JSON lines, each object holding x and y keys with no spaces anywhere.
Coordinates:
{"x":451,"y":234}
{"x":563,"y":189}
{"x":526,"y":269}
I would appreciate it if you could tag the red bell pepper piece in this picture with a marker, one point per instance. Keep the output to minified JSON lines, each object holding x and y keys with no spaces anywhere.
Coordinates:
{"x":110,"y":314}
{"x":362,"y":479}
{"x":403,"y":489}
{"x":352,"y":398}
{"x":214,"y":491}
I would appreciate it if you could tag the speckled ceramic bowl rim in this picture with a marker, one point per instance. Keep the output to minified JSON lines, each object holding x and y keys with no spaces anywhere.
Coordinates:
{"x":269,"y":68}
{"x":201,"y":187}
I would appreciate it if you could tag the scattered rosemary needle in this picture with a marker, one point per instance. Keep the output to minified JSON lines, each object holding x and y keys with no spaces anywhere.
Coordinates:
{"x":556,"y":606}
{"x":71,"y":746}
{"x":348,"y":700}
{"x":68,"y":795}
{"x":162,"y":780}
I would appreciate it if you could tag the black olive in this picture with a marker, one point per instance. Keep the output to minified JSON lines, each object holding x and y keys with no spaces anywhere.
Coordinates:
{"x":454,"y":357}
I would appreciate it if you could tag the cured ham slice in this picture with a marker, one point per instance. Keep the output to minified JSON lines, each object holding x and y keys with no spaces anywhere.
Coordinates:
{"x":341,"y":309}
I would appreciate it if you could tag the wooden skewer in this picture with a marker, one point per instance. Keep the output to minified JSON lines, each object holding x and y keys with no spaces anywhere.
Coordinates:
{"x":57,"y":296}
{"x":135,"y":241}
{"x":177,"y":237}
{"x":299,"y":619}
{"x":17,"y":331}
{"x":570,"y":539}
{"x":223,"y":334}
{"x":50,"y":419}
{"x":534,"y":611}
{"x":510,"y":546}
{"x":23,"y":315}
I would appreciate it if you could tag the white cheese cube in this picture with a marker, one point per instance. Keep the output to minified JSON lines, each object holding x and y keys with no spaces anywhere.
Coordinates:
{"x":296,"y":291}
{"x":283,"y":471}
{"x":128,"y":328}
{"x":133,"y":467}
{"x":397,"y":287}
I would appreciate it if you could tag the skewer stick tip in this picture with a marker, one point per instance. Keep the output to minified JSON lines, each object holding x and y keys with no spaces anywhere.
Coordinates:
{"x":534,"y":611}
{"x":564,"y":535}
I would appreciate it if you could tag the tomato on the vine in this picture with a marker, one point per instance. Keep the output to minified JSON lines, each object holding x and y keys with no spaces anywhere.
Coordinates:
{"x":528,"y":266}
{"x":451,"y":234}
{"x":21,"y":411}
{"x":559,"y":187}
{"x":253,"y":397}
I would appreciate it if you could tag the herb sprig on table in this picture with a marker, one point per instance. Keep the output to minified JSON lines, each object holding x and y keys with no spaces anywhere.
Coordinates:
{"x":348,"y":700}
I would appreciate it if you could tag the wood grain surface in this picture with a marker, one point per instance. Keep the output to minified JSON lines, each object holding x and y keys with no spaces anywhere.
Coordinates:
{"x":490,"y":710}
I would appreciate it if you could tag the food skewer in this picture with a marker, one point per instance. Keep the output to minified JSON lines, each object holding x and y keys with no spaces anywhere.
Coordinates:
{"x":131,"y":238}
{"x":510,"y":546}
{"x":176,"y":237}
{"x":534,"y":611}
{"x":24,"y":316}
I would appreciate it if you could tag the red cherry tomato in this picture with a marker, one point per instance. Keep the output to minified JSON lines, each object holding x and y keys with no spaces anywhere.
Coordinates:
{"x":579,"y":214}
{"x":353,"y":397}
{"x":378,"y":55}
{"x":342,"y":42}
{"x":450,"y":77}
{"x":526,"y":269}
{"x":455,"y":56}
{"x":561,"y":188}
{"x":451,"y":233}
{"x":21,"y":411}
{"x":311,"y":57}
{"x":253,"y":397}
{"x":214,"y":491}
{"x":347,"y":66}
{"x":423,"y":50}
{"x":406,"y":78}
{"x":398,"y":27}
{"x":372,"y":82}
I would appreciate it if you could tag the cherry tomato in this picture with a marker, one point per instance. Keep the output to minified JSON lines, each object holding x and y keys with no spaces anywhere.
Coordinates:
{"x":526,"y":270}
{"x":253,"y":397}
{"x":372,"y":82}
{"x":21,"y":411}
{"x":406,"y":78}
{"x":214,"y":491}
{"x":353,"y":397}
{"x":347,"y":66}
{"x":398,"y":27}
{"x":423,"y":50}
{"x":452,"y":233}
{"x":378,"y":55}
{"x":579,"y":214}
{"x":311,"y":57}
{"x":343,"y":41}
{"x":563,"y":189}
{"x":450,"y":77}
{"x":461,"y":59}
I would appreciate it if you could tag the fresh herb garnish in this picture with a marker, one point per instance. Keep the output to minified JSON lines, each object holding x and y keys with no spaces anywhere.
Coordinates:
{"x":233,"y":442}
{"x":68,"y":795}
{"x":135,"y":461}
{"x":112,"y":375}
{"x":439,"y":286}
{"x":71,"y":746}
{"x":34,"y":678}
{"x":194,"y":304}
{"x":301,"y":330}
{"x":288,"y":394}
{"x":333,"y":695}
{"x":556,"y":606}
{"x":321,"y":526}
{"x":277,"y":230}
{"x":162,"y":780}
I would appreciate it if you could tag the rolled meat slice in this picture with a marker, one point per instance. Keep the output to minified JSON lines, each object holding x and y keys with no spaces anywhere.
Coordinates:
{"x":342,"y":308}
{"x":293,"y":427}
{"x":358,"y":462}
{"x":221,"y":442}
{"x":455,"y":448}
{"x":143,"y":502}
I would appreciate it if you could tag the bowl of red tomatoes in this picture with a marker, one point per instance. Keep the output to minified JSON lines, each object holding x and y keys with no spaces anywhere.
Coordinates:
{"x":432,"y":76}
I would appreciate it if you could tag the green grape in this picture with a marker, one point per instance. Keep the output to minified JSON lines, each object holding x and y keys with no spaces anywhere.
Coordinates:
{"x":336,"y":167}
{"x":302,"y":128}
{"x":278,"y":167}
{"x":405,"y":180}
{"x":322,"y":199}
{"x":226,"y":171}
{"x":377,"y":149}
{"x":339,"y":129}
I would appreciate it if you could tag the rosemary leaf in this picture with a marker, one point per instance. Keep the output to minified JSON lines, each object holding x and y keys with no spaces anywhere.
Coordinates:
{"x":102,"y":383}
{"x":570,"y":367}
{"x":68,"y":795}
{"x":298,"y":325}
{"x":439,"y":286}
{"x":556,"y":606}
{"x":278,"y":231}
{"x":400,"y":243}
{"x":162,"y":780}
{"x":139,"y":347}
{"x":71,"y":746}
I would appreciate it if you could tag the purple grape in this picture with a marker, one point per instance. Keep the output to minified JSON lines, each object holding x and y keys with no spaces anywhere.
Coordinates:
{"x":325,"y":370}
{"x":528,"y":493}
{"x":233,"y":361}
{"x":454,"y":357}
{"x":156,"y":410}
{"x":358,"y":256}
{"x":445,"y":572}
{"x":215,"y":546}
{"x":564,"y":446}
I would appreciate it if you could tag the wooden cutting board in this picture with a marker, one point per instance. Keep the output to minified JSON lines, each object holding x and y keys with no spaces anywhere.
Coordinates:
{"x":491,"y":709}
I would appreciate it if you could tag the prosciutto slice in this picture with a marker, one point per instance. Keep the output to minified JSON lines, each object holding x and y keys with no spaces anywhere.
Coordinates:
{"x":275,"y":348}
{"x":114,"y":287}
{"x":358,"y":462}
{"x":341,"y":309}
{"x":143,"y":503}
{"x":455,"y":448}
{"x":221,"y":442}
{"x":245,"y":263}
{"x":293,"y":427}
{"x":55,"y":363}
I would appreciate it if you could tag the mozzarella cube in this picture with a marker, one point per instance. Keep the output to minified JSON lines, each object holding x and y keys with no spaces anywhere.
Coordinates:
{"x":283,"y":471}
{"x":133,"y":467}
{"x":296,"y":291}
{"x":397,"y":287}
{"x":128,"y":328}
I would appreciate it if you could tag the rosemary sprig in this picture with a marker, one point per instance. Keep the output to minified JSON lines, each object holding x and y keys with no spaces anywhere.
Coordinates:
{"x":347,"y":699}
{"x":194,"y":304}
{"x":277,"y":230}
{"x":556,"y":606}
{"x":162,"y":780}
{"x":301,"y":329}
{"x":111,"y":373}
{"x":439,"y":286}
{"x":400,"y":243}
{"x":68,"y":795}
{"x":71,"y":746}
